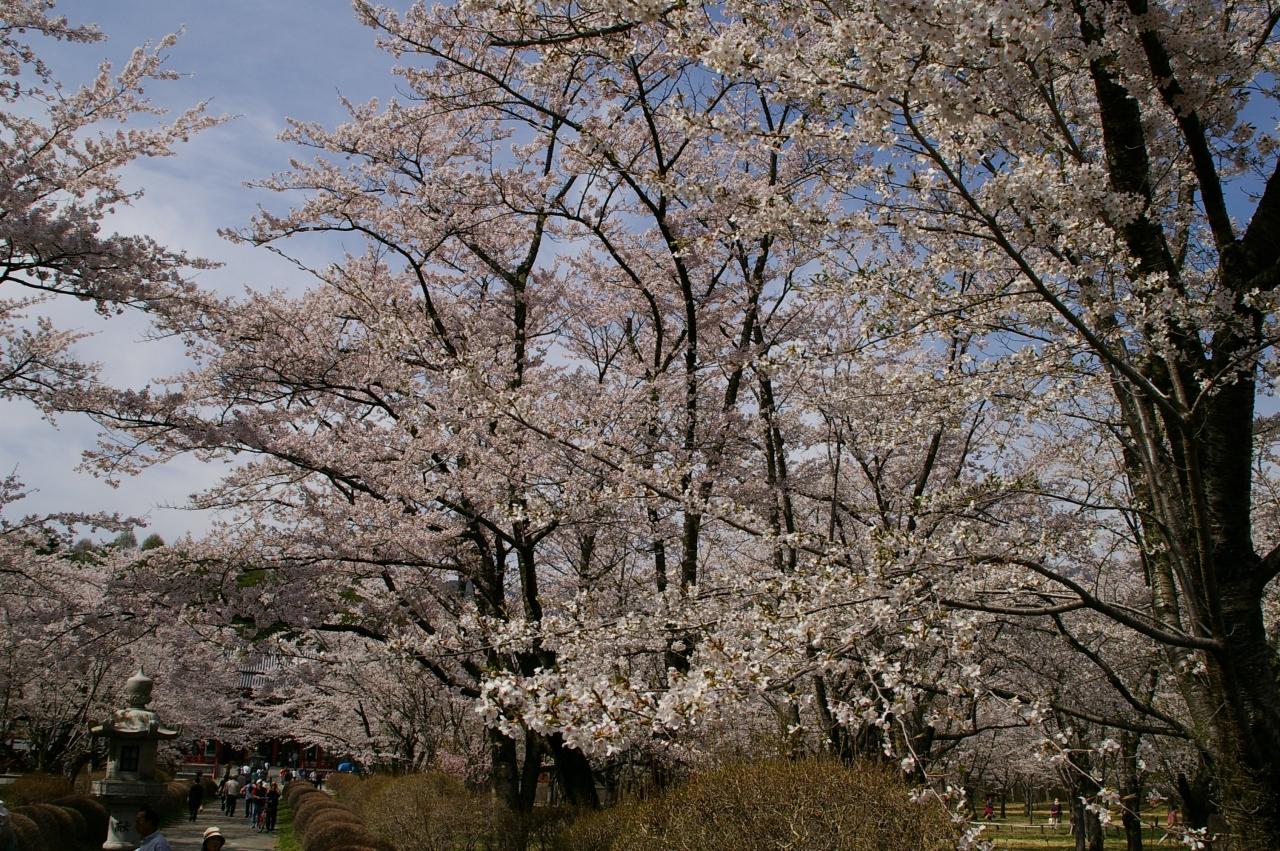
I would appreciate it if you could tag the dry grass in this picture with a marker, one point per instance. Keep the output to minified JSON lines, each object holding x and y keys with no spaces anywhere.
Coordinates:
{"x":37,"y":789}
{"x":815,"y":805}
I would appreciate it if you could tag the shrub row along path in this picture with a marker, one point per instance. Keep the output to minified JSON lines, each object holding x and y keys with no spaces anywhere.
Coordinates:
{"x":186,"y":835}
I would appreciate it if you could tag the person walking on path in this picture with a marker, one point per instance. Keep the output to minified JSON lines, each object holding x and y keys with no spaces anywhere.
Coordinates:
{"x":195,"y":797}
{"x":148,"y":823}
{"x":213,"y":840}
{"x":273,"y":807}
{"x":231,"y":794}
{"x":248,"y":802}
{"x":237,"y":836}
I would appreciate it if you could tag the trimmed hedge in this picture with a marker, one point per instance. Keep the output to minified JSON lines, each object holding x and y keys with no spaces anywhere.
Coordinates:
{"x":56,"y":828}
{"x":338,"y":836}
{"x":79,"y":822}
{"x":322,"y":824}
{"x":30,"y":837}
{"x":324,"y":820}
{"x":97,"y":819}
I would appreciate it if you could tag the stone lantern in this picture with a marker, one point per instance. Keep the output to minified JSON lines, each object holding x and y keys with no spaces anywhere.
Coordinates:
{"x":133,"y":734}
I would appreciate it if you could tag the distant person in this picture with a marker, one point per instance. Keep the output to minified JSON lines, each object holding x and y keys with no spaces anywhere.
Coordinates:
{"x":989,"y":809}
{"x":148,"y":824}
{"x":213,"y":840}
{"x":1055,"y":813}
{"x":319,"y":779}
{"x":195,"y":797}
{"x":273,"y":807}
{"x":231,"y":794}
{"x":1170,"y":826}
{"x":260,"y":804}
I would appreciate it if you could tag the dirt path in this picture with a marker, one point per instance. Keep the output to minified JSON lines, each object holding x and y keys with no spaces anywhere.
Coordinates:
{"x":187,"y":836}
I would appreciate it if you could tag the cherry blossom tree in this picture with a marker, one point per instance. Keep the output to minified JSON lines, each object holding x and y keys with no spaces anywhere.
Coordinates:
{"x":1082,"y":183}
{"x":61,"y":151}
{"x":75,"y":627}
{"x":821,"y":359}
{"x":401,"y":480}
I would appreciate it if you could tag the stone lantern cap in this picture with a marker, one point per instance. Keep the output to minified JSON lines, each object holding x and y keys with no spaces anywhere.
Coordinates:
{"x":135,"y":721}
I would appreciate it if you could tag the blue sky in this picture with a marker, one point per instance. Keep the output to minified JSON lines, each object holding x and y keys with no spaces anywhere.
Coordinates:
{"x":257,"y":62}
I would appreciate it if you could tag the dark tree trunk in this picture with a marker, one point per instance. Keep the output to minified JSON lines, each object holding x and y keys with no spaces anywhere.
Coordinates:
{"x":1085,"y":827}
{"x":1082,"y":787}
{"x":1197,"y":458}
{"x":1246,"y":729}
{"x":530,"y":770}
{"x":574,"y":773}
{"x":1131,"y":793}
{"x":504,"y":769}
{"x":1196,"y":801}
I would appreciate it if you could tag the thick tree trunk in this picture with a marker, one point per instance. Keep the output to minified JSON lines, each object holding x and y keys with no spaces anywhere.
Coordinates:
{"x":504,"y":769}
{"x":1085,"y":827}
{"x":1246,"y":729}
{"x":574,"y":773}
{"x":514,"y":785}
{"x":1082,"y":786}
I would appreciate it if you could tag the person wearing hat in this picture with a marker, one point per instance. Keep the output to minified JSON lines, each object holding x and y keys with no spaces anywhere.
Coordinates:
{"x":213,"y":840}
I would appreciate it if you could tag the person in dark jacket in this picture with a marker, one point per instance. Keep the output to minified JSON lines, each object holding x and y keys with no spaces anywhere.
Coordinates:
{"x":273,"y":806}
{"x":195,"y":797}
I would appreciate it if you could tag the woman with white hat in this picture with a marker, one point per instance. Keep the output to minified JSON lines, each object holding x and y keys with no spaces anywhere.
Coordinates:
{"x":213,"y":840}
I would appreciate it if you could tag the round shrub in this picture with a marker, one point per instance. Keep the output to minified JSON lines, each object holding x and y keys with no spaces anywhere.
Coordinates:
{"x":54,"y":822}
{"x":325,"y":820}
{"x":174,"y":797}
{"x":339,"y":837}
{"x":30,"y":837}
{"x":94,"y":813}
{"x":79,"y":826}
{"x":812,"y":804}
{"x":310,"y":807}
{"x":307,"y":795}
{"x":295,"y":788}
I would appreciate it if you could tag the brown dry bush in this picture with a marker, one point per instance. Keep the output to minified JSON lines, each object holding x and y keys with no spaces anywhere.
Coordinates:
{"x":297,"y":788}
{"x":313,"y":806}
{"x":174,"y":797}
{"x":55,"y":823}
{"x":324,"y":820}
{"x":96,"y":817}
{"x":341,"y":783}
{"x":338,"y":837}
{"x":315,"y":799}
{"x":79,"y":826}
{"x":30,"y":838}
{"x":305,"y":794}
{"x":812,"y":804}
{"x":429,"y":812}
{"x":37,"y":789}
{"x":357,"y":792}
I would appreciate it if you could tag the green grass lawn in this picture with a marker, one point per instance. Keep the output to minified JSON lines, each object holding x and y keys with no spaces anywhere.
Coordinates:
{"x":285,"y":840}
{"x":1015,"y":833}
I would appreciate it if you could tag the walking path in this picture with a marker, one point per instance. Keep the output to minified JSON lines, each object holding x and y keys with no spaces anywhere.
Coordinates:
{"x":187,"y":835}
